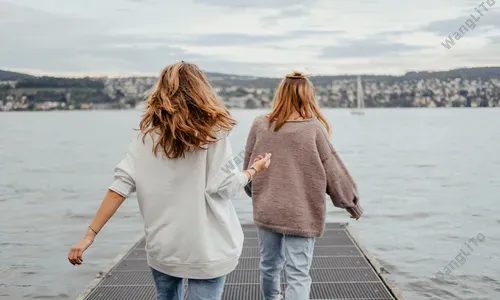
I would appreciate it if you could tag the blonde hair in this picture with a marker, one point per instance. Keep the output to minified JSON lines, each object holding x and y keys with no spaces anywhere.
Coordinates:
{"x":295,"y":93}
{"x":184,"y":110}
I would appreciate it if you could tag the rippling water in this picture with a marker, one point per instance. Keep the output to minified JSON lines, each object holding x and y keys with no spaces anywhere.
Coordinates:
{"x":430,"y":180}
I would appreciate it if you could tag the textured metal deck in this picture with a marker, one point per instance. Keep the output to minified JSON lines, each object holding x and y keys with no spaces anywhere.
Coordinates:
{"x":339,"y":271}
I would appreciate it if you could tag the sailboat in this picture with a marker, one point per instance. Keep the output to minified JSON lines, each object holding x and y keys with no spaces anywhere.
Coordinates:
{"x":360,"y":100}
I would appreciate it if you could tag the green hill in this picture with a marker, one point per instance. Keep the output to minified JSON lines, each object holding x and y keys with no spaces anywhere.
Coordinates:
{"x":13,"y":76}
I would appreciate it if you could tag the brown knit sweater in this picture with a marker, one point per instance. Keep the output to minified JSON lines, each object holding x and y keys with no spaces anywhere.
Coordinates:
{"x":289,"y":197}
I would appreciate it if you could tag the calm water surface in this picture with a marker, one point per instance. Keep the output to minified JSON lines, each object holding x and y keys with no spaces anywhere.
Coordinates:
{"x":429,"y":181}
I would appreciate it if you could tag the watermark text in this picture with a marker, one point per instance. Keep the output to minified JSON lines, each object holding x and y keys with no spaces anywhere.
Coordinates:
{"x":469,"y":24}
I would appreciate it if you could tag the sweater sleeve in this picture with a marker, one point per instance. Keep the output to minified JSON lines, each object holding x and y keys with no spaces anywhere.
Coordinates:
{"x":248,"y":155}
{"x":224,"y":178}
{"x":124,"y":183}
{"x":340,"y":185}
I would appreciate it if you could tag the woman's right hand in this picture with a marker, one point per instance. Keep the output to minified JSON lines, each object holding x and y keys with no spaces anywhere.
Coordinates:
{"x":75,"y":255}
{"x":261,"y":163}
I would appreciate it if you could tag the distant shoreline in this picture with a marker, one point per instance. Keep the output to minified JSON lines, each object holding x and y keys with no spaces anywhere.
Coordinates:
{"x":259,"y":108}
{"x":476,"y":87}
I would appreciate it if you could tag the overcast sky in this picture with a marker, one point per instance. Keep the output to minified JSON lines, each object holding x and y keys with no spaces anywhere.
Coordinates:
{"x":247,"y":37}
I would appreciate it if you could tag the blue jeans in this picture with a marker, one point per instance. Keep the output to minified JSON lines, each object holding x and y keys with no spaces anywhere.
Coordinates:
{"x":172,"y":288}
{"x":292,"y":252}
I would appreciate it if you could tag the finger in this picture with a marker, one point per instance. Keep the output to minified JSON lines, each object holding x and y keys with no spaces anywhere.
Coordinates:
{"x":80,"y":256}
{"x":268,"y":156}
{"x":73,"y":257}
{"x":70,"y":258}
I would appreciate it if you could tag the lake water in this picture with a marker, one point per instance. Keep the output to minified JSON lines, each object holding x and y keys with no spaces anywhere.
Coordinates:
{"x":429,"y":181}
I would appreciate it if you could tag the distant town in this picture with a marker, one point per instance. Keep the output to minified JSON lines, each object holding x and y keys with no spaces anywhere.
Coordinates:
{"x":474,"y":87}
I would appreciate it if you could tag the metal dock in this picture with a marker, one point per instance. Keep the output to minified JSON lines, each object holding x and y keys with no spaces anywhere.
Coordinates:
{"x":341,"y":269}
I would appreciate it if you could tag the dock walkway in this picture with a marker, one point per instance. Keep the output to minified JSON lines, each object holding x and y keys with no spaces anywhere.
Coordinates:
{"x":341,"y":269}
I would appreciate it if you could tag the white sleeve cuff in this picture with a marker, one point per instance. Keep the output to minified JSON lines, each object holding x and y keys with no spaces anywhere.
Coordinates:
{"x":122,"y":188}
{"x":243,"y":179}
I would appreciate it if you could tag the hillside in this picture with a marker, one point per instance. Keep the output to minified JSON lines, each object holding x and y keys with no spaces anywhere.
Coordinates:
{"x":269,"y":82}
{"x":465,"y":87}
{"x":13,"y":76}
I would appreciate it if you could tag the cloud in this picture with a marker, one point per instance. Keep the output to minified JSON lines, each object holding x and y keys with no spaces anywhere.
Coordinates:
{"x":234,"y":39}
{"x":395,"y":33}
{"x":489,"y":20}
{"x":294,"y":12}
{"x":286,"y":13}
{"x":495,"y":39}
{"x":365,"y":48}
{"x":87,"y":47}
{"x":315,"y":33}
{"x":141,"y":36}
{"x":253,"y":3}
{"x":79,"y":45}
{"x":228,"y":39}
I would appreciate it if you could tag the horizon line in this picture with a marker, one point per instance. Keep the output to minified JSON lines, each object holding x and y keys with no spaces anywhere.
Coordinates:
{"x":40,"y":73}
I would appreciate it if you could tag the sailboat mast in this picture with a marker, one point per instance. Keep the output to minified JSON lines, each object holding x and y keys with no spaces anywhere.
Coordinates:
{"x":360,"y":99}
{"x":360,"y":94}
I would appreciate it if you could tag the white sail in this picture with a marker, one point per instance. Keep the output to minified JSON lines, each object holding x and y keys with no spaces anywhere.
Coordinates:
{"x":360,"y":99}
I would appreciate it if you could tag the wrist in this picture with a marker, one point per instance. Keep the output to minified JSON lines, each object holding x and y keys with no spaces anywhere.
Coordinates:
{"x":250,"y":174}
{"x":91,"y":233}
{"x":89,"y":236}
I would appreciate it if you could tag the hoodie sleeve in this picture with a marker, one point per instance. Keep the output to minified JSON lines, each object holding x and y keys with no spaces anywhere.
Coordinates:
{"x":224,"y":178}
{"x":248,"y":155}
{"x":340,"y":185}
{"x":124,"y":183}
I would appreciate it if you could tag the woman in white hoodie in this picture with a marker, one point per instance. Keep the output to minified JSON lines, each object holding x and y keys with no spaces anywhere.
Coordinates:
{"x":177,"y":166}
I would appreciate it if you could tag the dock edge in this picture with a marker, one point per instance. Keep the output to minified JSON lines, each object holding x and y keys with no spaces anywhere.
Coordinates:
{"x":102,"y":274}
{"x":389,"y":283}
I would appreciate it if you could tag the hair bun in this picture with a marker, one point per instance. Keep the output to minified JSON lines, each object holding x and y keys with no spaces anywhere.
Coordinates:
{"x":296,"y":75}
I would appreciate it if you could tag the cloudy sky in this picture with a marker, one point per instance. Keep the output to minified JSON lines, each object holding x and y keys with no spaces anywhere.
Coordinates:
{"x":247,"y":37}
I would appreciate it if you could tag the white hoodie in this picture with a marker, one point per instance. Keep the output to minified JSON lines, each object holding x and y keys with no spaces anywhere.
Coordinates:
{"x":191,"y":227}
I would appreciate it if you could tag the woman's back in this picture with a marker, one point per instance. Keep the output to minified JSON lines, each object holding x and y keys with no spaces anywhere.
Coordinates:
{"x":290,"y":197}
{"x":189,"y":224}
{"x":289,"y":200}
{"x":176,"y":166}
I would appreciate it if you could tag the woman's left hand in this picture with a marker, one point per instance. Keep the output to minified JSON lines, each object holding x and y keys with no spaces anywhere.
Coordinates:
{"x":75,"y":255}
{"x":260,"y":163}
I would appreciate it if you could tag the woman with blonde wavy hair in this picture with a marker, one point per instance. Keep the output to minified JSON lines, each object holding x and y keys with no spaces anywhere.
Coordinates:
{"x":177,"y":167}
{"x":289,"y":199}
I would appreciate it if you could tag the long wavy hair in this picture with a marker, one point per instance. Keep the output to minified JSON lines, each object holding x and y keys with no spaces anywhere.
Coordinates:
{"x":295,"y":94}
{"x":183,"y":112}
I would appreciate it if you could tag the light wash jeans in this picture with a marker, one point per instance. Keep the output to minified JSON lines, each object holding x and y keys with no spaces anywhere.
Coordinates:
{"x":292,"y":252}
{"x":172,"y":288}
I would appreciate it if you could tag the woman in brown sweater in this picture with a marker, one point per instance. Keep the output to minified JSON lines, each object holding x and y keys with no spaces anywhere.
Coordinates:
{"x":289,"y":199}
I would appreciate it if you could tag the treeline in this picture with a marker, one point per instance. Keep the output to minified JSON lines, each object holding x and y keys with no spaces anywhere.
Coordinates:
{"x":264,"y":82}
{"x":465,"y":73}
{"x":55,"y":82}
{"x":12,"y":76}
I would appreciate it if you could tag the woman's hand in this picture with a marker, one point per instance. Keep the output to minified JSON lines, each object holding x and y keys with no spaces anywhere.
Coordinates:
{"x":261,"y":163}
{"x":76,"y":252}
